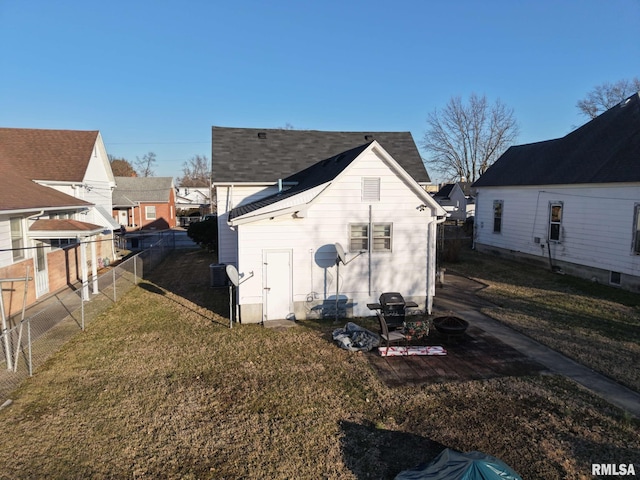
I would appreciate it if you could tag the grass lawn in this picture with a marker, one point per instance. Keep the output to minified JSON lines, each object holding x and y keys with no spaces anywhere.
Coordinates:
{"x":597,"y":325}
{"x":160,"y":387}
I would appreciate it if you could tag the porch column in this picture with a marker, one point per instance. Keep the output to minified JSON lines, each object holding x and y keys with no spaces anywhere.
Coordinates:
{"x":94,"y":266}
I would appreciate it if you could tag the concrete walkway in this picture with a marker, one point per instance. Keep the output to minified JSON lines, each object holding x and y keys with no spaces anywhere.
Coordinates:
{"x":458,"y":295}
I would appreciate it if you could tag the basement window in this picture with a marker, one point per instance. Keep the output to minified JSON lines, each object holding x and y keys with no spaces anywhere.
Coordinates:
{"x":614,"y":278}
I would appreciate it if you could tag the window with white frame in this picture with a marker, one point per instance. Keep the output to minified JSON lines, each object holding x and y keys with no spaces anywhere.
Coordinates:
{"x":17,"y":238}
{"x":62,"y":242}
{"x":358,"y":237}
{"x":555,"y":221}
{"x":150,"y":212}
{"x":381,"y":240}
{"x":382,"y":237}
{"x":498,"y":206}
{"x":636,"y":229}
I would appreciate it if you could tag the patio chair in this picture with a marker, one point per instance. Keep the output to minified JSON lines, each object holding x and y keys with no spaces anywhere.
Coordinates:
{"x":391,"y":336}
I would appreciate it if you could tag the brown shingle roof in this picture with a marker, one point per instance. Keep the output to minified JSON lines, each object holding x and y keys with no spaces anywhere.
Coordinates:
{"x":66,"y":225}
{"x":47,"y":154}
{"x":33,"y":154}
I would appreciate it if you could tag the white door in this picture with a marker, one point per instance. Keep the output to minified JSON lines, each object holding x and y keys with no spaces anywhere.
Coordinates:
{"x":42,"y":276}
{"x":277,"y":298}
{"x":123,"y":217}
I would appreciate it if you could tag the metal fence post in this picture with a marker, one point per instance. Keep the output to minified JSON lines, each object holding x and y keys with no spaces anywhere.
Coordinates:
{"x":82,"y":314}
{"x":29,"y":348}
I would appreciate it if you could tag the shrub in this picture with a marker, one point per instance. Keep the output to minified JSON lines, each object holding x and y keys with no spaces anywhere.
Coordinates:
{"x":205,"y":233}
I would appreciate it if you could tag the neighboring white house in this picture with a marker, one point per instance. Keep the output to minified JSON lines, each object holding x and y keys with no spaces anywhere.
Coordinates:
{"x":55,"y":199}
{"x":283,"y":237}
{"x":456,"y":200}
{"x":188,"y":198}
{"x":573,"y":203}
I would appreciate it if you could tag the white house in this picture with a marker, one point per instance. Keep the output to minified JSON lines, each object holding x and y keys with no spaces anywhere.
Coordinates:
{"x":571,"y":204}
{"x":55,"y":203}
{"x":456,"y":200}
{"x":282,"y":238}
{"x":189,"y":198}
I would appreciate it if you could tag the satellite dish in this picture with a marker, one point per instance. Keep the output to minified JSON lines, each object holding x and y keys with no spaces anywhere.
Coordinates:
{"x":232,"y":273}
{"x":341,"y":255}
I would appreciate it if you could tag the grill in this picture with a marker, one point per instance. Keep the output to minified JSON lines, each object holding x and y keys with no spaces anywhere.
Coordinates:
{"x":393,"y":306}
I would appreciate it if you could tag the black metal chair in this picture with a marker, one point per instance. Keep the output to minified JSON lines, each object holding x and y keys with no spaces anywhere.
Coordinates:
{"x":390,"y":336}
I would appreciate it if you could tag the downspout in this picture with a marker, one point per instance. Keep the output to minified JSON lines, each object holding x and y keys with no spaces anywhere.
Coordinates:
{"x":369,"y":246}
{"x":431,"y":260}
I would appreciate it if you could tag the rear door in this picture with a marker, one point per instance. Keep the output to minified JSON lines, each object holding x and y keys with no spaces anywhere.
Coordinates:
{"x":277,"y":284}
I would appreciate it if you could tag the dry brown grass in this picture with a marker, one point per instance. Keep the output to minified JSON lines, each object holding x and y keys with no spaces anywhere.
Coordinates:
{"x":597,"y":325}
{"x":159,"y":387}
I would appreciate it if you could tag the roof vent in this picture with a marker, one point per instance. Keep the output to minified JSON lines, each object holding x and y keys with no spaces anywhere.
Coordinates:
{"x":626,"y":102}
{"x":368,"y":138}
{"x":262,"y":135}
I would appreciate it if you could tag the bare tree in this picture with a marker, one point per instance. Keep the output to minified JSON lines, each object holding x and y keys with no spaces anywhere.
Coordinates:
{"x":121,"y":167}
{"x":608,"y":95}
{"x":196,"y":172}
{"x":144,"y":165}
{"x":463,"y":140}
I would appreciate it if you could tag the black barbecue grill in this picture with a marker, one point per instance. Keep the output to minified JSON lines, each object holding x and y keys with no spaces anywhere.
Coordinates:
{"x":392,"y":306}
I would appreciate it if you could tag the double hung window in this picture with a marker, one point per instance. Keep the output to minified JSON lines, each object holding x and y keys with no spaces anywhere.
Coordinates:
{"x":17,"y":238}
{"x":555,"y":222}
{"x":150,"y":212}
{"x":497,"y":215}
{"x":636,"y":229}
{"x":381,"y":240}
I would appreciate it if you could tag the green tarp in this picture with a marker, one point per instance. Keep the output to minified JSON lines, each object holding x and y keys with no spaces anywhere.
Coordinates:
{"x":454,"y":465}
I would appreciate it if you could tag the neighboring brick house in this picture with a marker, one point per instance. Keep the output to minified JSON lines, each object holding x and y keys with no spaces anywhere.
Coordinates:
{"x":145,"y":203}
{"x":55,"y":195}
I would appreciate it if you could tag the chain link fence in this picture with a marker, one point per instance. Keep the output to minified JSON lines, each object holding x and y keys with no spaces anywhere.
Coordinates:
{"x":27,"y":342}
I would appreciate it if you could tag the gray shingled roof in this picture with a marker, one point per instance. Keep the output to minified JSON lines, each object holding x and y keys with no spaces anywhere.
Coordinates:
{"x":313,"y":176}
{"x":246,"y":155}
{"x":605,"y":150}
{"x":130,"y":190}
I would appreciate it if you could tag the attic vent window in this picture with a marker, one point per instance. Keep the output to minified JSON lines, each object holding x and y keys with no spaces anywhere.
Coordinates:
{"x":371,"y":189}
{"x":262,"y":135}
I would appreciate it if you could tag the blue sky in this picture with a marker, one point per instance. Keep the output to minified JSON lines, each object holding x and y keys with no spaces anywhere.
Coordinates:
{"x":155,"y":75}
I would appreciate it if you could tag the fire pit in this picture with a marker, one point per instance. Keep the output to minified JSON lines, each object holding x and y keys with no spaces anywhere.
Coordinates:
{"x":450,"y":326}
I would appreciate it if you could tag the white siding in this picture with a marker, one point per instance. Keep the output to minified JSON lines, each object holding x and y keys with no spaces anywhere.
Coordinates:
{"x":597,"y":223}
{"x":326,"y":222}
{"x":229,"y":197}
{"x":6,"y":257}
